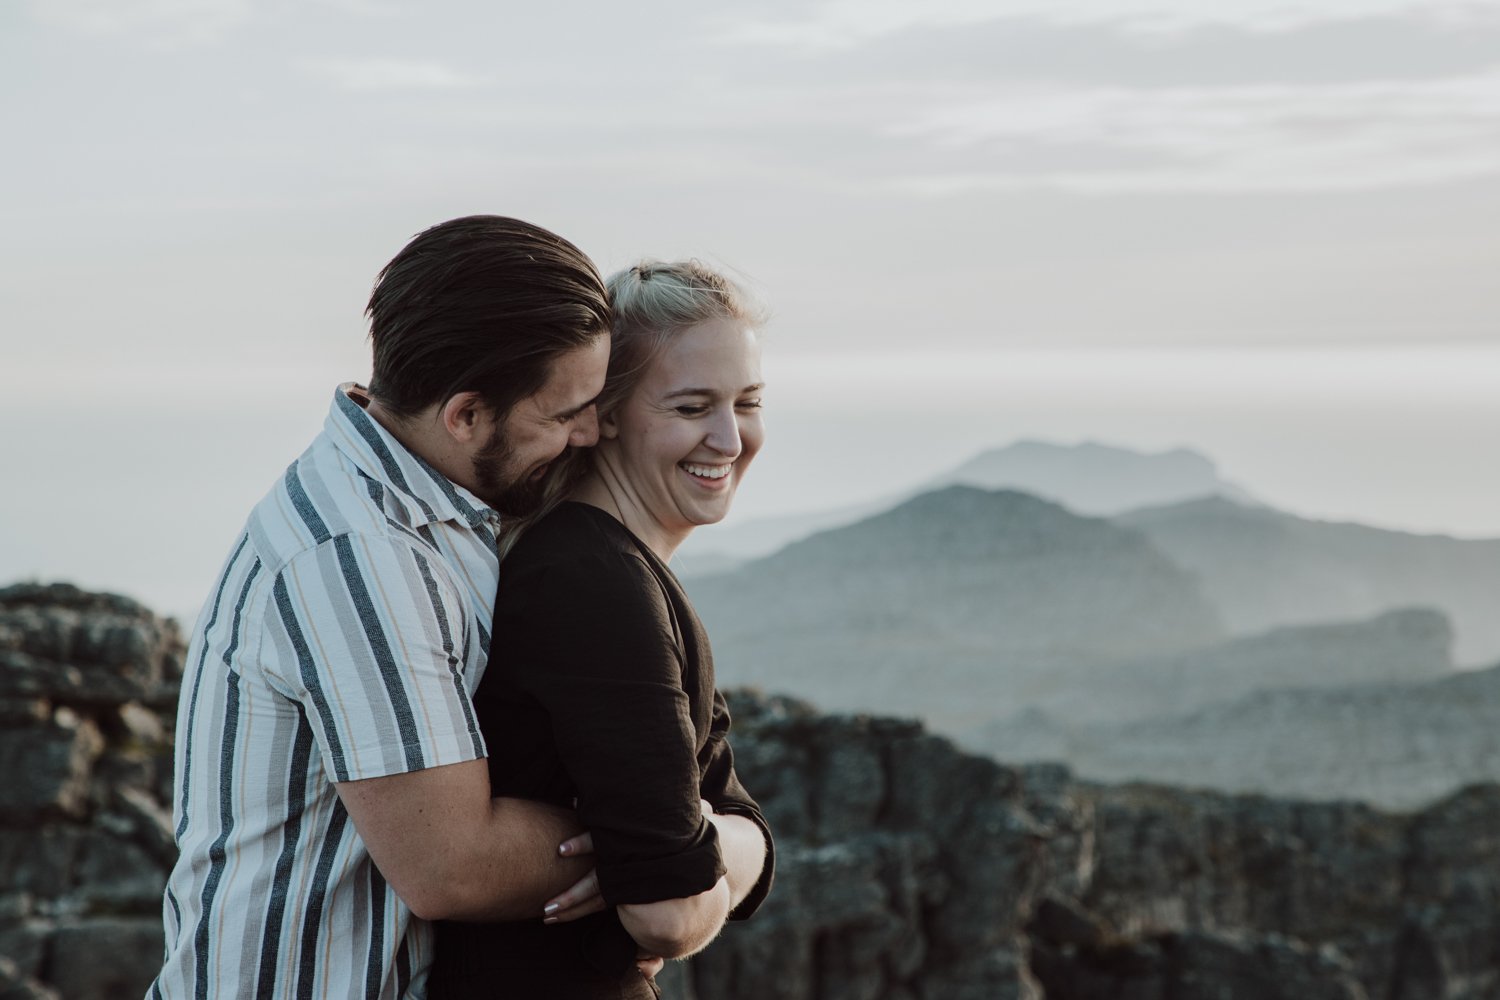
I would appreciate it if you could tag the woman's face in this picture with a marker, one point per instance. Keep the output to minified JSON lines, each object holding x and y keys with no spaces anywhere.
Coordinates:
{"x":688,"y":432}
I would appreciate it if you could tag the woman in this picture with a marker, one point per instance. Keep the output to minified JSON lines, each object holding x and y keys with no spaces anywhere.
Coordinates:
{"x":600,"y":688}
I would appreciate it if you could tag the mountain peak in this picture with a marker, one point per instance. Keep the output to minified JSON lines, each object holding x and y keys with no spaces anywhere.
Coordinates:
{"x":1094,"y":478}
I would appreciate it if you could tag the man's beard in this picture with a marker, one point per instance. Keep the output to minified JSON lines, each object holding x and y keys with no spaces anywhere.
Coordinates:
{"x":512,"y":497}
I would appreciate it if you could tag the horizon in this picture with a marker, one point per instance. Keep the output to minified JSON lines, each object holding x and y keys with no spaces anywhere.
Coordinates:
{"x":175,"y":583}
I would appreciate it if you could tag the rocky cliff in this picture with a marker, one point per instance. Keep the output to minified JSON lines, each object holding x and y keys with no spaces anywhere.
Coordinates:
{"x":87,"y":686}
{"x":907,"y":868}
{"x":910,"y":870}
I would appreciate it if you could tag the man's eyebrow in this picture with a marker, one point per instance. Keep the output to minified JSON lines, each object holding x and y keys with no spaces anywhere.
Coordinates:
{"x":757,"y":387}
{"x":569,"y":414}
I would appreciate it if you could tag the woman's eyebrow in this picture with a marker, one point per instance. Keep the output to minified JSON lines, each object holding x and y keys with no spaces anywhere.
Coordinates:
{"x":711,"y":392}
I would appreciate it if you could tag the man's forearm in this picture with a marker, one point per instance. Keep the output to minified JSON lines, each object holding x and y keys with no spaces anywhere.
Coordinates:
{"x":452,"y":852}
{"x":519,"y":869}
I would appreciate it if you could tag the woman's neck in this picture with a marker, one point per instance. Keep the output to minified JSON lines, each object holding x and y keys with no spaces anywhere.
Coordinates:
{"x":604,"y":488}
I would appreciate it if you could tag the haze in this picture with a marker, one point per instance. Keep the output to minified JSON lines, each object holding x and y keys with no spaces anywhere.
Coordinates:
{"x":1262,"y":230}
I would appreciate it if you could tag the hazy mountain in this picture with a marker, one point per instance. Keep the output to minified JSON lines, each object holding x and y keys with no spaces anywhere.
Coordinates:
{"x":1092,"y":478}
{"x":1397,"y":745}
{"x":948,"y":605}
{"x":1413,"y":644}
{"x":1086,"y":478}
{"x":1262,"y":568}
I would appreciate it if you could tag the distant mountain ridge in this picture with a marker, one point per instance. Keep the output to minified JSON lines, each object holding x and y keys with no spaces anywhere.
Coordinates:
{"x":1398,"y":745}
{"x":1033,"y":632}
{"x":1409,"y":644}
{"x":1263,"y":568}
{"x":1093,"y":478}
{"x":1088,"y":478}
{"x":921,"y":608}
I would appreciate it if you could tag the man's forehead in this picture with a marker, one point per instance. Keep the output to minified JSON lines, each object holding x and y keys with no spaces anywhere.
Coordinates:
{"x":576,"y":377}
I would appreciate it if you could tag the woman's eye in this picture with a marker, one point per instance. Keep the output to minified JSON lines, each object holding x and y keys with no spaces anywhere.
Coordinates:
{"x":692,"y":410}
{"x":748,"y":404}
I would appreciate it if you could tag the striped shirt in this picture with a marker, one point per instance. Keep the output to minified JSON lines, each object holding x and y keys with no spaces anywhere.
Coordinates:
{"x":343,"y":640}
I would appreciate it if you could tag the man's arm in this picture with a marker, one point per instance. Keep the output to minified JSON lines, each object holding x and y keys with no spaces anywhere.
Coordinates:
{"x":453,"y":853}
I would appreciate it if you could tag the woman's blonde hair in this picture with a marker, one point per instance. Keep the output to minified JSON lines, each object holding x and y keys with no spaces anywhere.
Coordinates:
{"x":651,"y":303}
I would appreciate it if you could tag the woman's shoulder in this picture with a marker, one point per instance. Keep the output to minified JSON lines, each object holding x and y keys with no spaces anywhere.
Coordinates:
{"x":578,"y":563}
{"x":568,"y":530}
{"x":578,"y":539}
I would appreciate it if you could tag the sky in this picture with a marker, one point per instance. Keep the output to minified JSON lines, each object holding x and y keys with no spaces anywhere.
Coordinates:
{"x":1263,"y":230}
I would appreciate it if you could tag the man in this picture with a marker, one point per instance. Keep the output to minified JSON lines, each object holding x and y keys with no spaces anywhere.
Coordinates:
{"x":331,"y":791}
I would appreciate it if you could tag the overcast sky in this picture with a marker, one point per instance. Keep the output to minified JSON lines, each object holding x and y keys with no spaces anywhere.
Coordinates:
{"x":1266,"y":230}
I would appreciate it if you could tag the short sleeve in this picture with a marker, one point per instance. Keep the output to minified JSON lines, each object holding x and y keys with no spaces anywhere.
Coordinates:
{"x":368,"y":636}
{"x":593,"y":641}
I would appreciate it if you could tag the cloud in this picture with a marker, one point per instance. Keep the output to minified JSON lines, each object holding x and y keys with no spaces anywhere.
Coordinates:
{"x":1259,"y":138}
{"x":366,"y":75}
{"x":168,"y":22}
{"x":840,"y":24}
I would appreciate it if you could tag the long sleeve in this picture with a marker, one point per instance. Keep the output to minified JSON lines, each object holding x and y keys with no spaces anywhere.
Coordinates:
{"x":593,"y":639}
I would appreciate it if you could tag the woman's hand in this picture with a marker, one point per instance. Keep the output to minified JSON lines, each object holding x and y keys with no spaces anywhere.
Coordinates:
{"x":582,"y":897}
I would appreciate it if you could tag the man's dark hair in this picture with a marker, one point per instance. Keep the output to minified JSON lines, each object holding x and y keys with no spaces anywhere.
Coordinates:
{"x":480,"y":304}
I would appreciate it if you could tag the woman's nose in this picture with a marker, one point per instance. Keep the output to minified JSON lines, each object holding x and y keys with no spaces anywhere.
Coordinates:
{"x":724,"y":435}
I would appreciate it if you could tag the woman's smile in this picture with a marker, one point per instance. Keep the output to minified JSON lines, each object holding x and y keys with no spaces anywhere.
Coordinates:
{"x":708,"y":476}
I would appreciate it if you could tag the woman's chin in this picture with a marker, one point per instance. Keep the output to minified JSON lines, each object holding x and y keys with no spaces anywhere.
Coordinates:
{"x":704,"y":517}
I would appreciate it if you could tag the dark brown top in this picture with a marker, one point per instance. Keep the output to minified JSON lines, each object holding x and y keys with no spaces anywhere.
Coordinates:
{"x":599,"y":689}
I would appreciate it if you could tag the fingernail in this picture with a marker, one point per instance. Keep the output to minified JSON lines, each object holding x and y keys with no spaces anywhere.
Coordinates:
{"x":549,"y":920}
{"x":565,"y":849}
{"x":551,"y":908}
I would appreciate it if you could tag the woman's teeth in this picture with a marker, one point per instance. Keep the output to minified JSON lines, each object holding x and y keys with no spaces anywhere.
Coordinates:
{"x":708,"y":471}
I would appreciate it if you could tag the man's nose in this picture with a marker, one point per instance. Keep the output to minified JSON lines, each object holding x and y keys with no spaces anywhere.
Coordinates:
{"x":585,"y":433}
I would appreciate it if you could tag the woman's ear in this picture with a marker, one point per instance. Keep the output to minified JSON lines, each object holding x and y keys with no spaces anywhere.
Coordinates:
{"x":609,"y":427}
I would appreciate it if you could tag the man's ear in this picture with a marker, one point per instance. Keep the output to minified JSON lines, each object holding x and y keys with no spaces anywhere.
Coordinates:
{"x":467,"y":418}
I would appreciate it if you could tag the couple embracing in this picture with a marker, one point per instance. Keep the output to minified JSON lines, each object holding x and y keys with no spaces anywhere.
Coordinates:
{"x":448,"y":724}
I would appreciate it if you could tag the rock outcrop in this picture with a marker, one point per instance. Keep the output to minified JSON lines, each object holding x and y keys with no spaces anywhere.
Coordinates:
{"x":907,"y":869}
{"x":910,"y":870}
{"x":88,"y":683}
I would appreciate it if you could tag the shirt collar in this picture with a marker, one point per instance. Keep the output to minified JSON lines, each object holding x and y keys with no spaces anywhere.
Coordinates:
{"x":380,"y":456}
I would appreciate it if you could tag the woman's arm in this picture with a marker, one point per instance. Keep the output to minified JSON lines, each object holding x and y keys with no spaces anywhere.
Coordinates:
{"x":743,"y":846}
{"x":595,"y":645}
{"x":677,"y":928}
